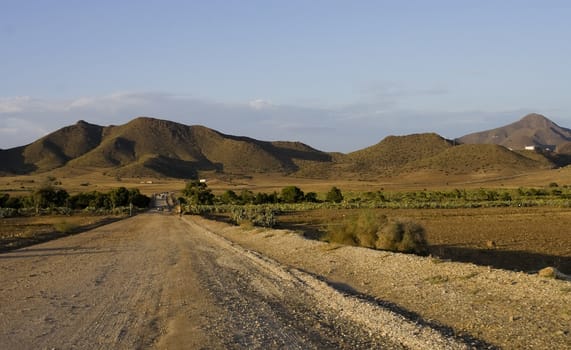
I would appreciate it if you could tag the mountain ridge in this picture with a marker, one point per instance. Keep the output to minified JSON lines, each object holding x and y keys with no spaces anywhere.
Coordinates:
{"x":147,"y":146}
{"x":154,"y":145}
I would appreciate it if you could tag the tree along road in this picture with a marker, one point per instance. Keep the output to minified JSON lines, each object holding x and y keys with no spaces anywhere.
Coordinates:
{"x":161,"y":281}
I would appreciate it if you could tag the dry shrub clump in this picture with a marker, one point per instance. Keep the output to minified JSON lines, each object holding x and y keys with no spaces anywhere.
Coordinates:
{"x":403,"y":236}
{"x":249,"y":216}
{"x":372,"y":230}
{"x":65,"y":227}
{"x":358,"y":230}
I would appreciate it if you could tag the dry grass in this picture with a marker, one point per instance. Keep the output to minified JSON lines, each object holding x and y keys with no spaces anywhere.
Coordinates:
{"x":64,"y":226}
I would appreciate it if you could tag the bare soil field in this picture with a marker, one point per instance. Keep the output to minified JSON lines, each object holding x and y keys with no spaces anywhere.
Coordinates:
{"x":85,"y":179}
{"x":24,"y":231}
{"x":521,"y":239}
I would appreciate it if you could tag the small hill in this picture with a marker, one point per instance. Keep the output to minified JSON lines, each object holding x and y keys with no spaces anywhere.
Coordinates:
{"x":482,"y":159}
{"x":392,"y":153}
{"x":531,"y":130}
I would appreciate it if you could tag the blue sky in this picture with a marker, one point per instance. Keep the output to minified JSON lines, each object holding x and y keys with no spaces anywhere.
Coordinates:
{"x":338,"y":75}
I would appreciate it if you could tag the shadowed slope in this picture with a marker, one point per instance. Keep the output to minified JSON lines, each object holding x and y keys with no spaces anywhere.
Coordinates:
{"x":52,"y":151}
{"x":12,"y":161}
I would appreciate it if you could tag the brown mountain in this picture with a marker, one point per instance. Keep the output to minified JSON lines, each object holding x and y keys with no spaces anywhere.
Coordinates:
{"x":153,"y":147}
{"x":531,"y":130}
{"x":148,"y":146}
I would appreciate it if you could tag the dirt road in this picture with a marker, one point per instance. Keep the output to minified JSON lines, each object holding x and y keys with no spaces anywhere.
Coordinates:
{"x":160,"y":281}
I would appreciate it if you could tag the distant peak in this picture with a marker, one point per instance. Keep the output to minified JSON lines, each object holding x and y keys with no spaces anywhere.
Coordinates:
{"x":143,"y":120}
{"x":536,"y":120}
{"x":146,"y":119}
{"x":534,"y":117}
{"x":139,"y":118}
{"x":83,"y":123}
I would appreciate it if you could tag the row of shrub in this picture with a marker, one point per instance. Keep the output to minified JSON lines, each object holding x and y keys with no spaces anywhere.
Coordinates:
{"x":466,"y":195}
{"x":198,"y":193}
{"x":52,"y":200}
{"x":12,"y":212}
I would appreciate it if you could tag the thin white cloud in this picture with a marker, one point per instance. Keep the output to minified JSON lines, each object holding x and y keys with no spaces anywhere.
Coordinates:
{"x":19,"y":131}
{"x":259,"y":104}
{"x":12,"y":104}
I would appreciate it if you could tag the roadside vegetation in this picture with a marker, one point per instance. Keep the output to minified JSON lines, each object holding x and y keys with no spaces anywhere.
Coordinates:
{"x":51,"y":200}
{"x":362,"y":227}
{"x":50,"y":212}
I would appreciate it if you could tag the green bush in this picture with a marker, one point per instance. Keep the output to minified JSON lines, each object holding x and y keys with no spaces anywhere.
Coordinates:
{"x":334,"y":195}
{"x":292,"y":194}
{"x":197,"y":192}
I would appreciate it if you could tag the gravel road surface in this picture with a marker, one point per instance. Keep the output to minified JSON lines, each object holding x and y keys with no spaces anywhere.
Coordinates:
{"x":160,"y":281}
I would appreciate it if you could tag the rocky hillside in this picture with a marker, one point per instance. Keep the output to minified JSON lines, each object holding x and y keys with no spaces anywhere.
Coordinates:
{"x":531,"y":130}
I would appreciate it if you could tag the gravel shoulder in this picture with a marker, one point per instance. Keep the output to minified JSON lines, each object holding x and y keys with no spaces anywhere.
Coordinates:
{"x":508,"y":309}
